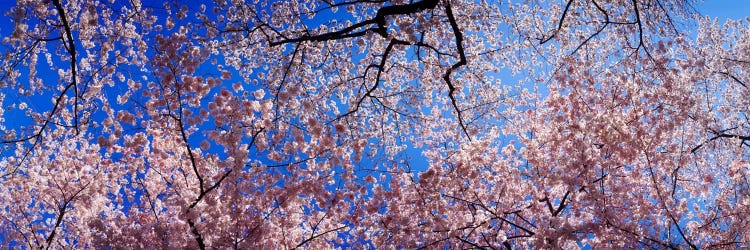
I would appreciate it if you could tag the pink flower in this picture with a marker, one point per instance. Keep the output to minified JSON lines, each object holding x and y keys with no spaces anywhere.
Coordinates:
{"x":258,"y":94}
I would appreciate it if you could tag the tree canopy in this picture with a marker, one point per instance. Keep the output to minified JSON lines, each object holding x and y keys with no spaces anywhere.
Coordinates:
{"x":373,"y":124}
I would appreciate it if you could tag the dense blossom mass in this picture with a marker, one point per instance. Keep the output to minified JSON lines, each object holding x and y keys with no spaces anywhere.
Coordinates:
{"x":382,"y":124}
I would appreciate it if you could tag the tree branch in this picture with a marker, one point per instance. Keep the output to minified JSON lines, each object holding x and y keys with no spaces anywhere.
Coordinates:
{"x":381,"y":67}
{"x":196,"y":235}
{"x":71,"y":48}
{"x":462,"y":61}
{"x":378,"y":21}
{"x":316,"y":236}
{"x":559,"y":24}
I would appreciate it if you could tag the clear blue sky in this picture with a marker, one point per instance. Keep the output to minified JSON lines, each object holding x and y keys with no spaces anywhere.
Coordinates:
{"x":723,"y":9}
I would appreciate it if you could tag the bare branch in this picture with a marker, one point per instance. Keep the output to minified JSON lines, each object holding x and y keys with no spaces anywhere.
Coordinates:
{"x":462,"y":61}
{"x":378,"y":21}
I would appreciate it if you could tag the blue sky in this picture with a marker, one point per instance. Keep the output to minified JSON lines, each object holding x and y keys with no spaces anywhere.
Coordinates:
{"x":723,"y":9}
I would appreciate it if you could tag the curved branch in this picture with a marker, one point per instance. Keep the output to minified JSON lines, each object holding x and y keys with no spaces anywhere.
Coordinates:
{"x":559,"y":24}
{"x":71,"y":48}
{"x":378,"y":21}
{"x":196,"y":235}
{"x":641,"y":41}
{"x":462,"y":61}
{"x":62,"y":209}
{"x":381,"y":67}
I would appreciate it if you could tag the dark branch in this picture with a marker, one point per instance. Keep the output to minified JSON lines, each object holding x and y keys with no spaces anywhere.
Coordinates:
{"x":71,"y":48}
{"x":682,"y":234}
{"x":732,"y":76}
{"x":378,"y":21}
{"x":559,"y":25}
{"x":474,"y":245}
{"x":381,"y":67}
{"x":317,"y":235}
{"x":196,"y":235}
{"x":722,"y":134}
{"x":641,"y":42}
{"x":187,"y":145}
{"x":283,"y":78}
{"x":462,"y":61}
{"x":62,"y":208}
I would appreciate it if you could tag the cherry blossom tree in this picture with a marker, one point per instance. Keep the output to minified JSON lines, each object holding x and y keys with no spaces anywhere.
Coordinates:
{"x":373,"y":124}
